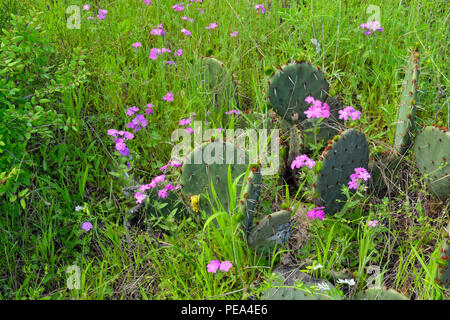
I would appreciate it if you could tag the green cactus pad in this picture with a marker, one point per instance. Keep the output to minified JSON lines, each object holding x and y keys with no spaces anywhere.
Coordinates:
{"x":273,"y":230}
{"x":432,"y":151}
{"x":328,"y":127}
{"x":289,"y":87}
{"x":340,"y":159}
{"x":407,"y":109}
{"x":307,"y":288}
{"x":219,"y":83}
{"x":444,"y":266}
{"x":196,"y":178}
{"x":295,"y":144}
{"x":380,"y":294}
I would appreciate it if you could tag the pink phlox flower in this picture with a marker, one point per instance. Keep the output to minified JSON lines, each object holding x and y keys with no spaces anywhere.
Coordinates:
{"x":139,"y":197}
{"x":132,"y":110}
{"x":187,"y":19}
{"x":159,"y":179}
{"x":102,"y":14}
{"x":168,"y":97}
{"x":158,"y":31}
{"x":149,"y":109}
{"x":373,"y":223}
{"x":169,"y":187}
{"x":86,"y":7}
{"x":189,"y":130}
{"x":178,"y":53}
{"x":349,"y":112}
{"x":213,"y":265}
{"x":212,"y":25}
{"x":317,"y":109}
{"x":137,"y":123}
{"x":162,"y":193}
{"x":186,"y":32}
{"x":302,"y":160}
{"x":316,"y":213}
{"x":225,"y":266}
{"x":234,"y":111}
{"x":137,"y":44}
{"x":260,"y":8}
{"x":148,"y":2}
{"x":86,"y":226}
{"x":178,"y":7}
{"x":234,"y":33}
{"x":371,"y":26}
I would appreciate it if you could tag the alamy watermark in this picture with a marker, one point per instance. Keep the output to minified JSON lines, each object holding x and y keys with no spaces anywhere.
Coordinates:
{"x":74,"y":278}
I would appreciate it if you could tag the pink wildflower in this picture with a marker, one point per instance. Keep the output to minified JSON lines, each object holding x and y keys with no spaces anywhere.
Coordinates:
{"x":213,"y":266}
{"x":225,"y":266}
{"x":168,"y":97}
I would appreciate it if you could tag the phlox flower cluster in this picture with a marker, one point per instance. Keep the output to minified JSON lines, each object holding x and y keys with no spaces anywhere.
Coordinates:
{"x":186,"y":32}
{"x":147,"y":2}
{"x":371,"y":27}
{"x":172,"y":163}
{"x":162,"y":193}
{"x":260,"y":8}
{"x":158,"y":30}
{"x":185,"y":122}
{"x":317,"y":109}
{"x":102,"y":14}
{"x":215,"y":265}
{"x":121,"y":143}
{"x":302,"y":160}
{"x":316,"y":213}
{"x":355,"y":178}
{"x":372,"y":223}
{"x":349,"y":112}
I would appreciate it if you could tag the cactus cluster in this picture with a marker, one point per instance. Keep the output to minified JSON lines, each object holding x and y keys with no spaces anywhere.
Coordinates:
{"x":432,"y":152}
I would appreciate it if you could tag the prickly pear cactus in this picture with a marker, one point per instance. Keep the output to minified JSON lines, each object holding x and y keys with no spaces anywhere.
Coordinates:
{"x":208,"y":164}
{"x":273,"y":230}
{"x":380,"y":294}
{"x":295,"y":143}
{"x":340,"y":159}
{"x":407,"y":110}
{"x":432,"y":152}
{"x":327,"y":128}
{"x":444,"y":266}
{"x":250,"y":195}
{"x":289,"y":87}
{"x":219,"y":82}
{"x":311,"y":289}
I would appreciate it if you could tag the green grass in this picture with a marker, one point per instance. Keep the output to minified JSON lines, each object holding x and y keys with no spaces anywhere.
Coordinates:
{"x":117,"y":259}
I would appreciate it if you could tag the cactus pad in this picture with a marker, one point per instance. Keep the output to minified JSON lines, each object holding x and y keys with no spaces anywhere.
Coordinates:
{"x":289,"y":87}
{"x":208,"y":164}
{"x":380,"y":294}
{"x":273,"y":230}
{"x":311,"y":289}
{"x":407,"y":110}
{"x":340,"y":158}
{"x":219,"y":83}
{"x":432,"y":152}
{"x":444,"y":267}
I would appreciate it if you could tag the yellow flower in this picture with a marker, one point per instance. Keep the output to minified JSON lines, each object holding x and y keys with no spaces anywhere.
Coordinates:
{"x":194,"y":203}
